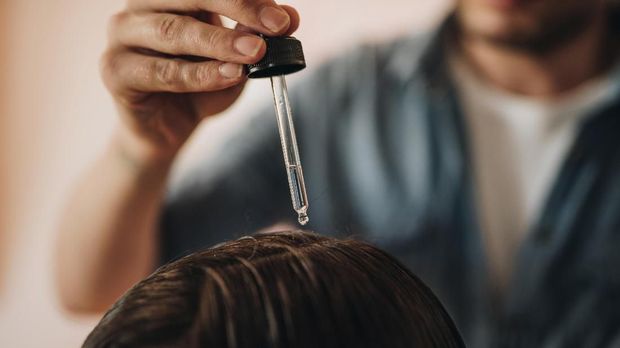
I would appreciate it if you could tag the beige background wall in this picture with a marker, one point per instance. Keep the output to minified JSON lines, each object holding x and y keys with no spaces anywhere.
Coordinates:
{"x":55,"y":116}
{"x":3,"y":148}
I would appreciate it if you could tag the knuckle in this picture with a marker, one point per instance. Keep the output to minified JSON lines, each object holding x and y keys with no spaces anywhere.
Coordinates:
{"x":193,"y":35}
{"x":140,"y":74}
{"x":167,"y":72}
{"x":108,"y":67}
{"x":203,"y":74}
{"x":171,"y":27}
{"x":212,"y":39}
{"x":188,"y":76}
{"x":115,"y":22}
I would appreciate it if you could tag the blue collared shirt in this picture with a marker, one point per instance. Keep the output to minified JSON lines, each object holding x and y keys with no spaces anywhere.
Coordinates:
{"x":386,"y":158}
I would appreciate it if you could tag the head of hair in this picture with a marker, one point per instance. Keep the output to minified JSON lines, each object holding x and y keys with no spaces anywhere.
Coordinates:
{"x":286,"y":289}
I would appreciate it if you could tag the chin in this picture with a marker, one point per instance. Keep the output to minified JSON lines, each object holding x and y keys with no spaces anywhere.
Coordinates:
{"x":494,"y":22}
{"x":535,"y":25}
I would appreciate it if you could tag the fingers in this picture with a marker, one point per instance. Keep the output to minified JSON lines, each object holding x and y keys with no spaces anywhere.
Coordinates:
{"x":133,"y":72}
{"x":184,"y":35}
{"x":263,"y":16}
{"x":295,"y":19}
{"x":159,"y":26}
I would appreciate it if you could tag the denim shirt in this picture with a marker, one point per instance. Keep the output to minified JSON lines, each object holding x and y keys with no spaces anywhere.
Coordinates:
{"x":386,"y":158}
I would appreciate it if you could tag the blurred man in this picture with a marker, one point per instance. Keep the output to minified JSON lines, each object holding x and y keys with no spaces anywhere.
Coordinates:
{"x":484,"y":155}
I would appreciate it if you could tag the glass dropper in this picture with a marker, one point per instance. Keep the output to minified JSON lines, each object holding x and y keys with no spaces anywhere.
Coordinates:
{"x":285,"y":56}
{"x":288,"y":139}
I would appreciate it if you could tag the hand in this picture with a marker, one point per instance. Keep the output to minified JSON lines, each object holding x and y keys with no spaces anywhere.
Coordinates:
{"x":171,"y":63}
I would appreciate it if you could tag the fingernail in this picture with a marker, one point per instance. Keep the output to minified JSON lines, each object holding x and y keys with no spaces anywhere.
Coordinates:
{"x":231,"y":70}
{"x":249,"y":45}
{"x":274,"y":19}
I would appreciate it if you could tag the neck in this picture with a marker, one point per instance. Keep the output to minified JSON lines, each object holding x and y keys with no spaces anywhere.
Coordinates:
{"x":543,"y":75}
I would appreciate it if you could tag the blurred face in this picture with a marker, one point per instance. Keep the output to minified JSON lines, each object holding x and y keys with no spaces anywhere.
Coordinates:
{"x":531,"y":25}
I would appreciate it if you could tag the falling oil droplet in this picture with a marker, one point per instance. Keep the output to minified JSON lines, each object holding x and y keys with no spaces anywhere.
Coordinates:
{"x":303,"y":219}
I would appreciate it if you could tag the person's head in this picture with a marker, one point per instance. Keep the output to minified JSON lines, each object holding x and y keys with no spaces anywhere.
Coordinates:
{"x":289,"y":289}
{"x":532,"y":25}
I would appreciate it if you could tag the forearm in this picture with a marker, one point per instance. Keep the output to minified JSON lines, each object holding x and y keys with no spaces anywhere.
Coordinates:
{"x":108,"y":230}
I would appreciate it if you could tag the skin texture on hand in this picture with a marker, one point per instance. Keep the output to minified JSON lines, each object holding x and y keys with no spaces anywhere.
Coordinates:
{"x":170,"y":64}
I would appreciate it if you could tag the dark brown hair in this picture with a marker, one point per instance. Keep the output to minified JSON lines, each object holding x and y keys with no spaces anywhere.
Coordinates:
{"x":288,"y":289}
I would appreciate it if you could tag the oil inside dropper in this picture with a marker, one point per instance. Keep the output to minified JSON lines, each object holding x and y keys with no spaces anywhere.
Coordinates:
{"x":285,"y":56}
{"x":290,"y":151}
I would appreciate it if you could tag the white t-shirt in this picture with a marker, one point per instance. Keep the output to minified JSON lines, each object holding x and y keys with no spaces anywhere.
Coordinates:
{"x":518,"y":145}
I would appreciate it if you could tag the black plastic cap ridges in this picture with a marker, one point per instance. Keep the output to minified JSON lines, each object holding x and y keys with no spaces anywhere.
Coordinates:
{"x":284,"y":56}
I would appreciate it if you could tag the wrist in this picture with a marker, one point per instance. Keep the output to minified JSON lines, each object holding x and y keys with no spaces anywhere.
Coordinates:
{"x":140,"y":155}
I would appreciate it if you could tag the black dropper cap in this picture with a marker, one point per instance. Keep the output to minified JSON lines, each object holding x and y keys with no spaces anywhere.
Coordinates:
{"x":284,"y":56}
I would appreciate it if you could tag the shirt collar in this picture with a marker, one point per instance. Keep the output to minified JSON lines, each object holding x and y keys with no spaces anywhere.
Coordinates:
{"x":422,"y":56}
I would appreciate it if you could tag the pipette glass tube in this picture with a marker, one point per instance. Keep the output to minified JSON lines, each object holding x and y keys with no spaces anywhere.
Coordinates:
{"x":285,"y":56}
{"x":288,"y":139}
